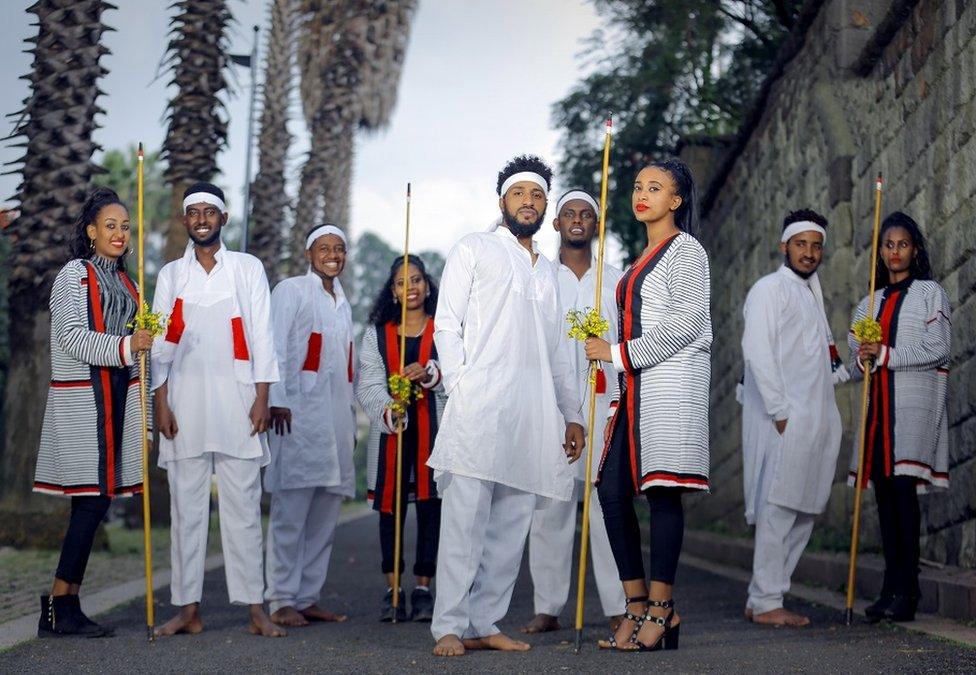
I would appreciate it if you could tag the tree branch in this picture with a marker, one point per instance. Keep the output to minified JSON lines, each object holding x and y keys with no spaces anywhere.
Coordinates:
{"x":751,"y":25}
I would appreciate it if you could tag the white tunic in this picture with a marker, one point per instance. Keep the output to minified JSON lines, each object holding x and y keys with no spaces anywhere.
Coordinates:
{"x":576,"y":293}
{"x":787,"y":376}
{"x":312,"y":332}
{"x":506,"y":368}
{"x":211,"y":382}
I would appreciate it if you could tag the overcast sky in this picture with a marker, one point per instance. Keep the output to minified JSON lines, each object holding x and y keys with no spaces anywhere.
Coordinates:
{"x":477,"y":88}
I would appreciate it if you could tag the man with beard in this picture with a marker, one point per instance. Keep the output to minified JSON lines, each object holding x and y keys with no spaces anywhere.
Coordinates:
{"x":512,"y":424}
{"x":211,"y":375}
{"x":791,"y":427}
{"x":553,"y":530}
{"x":314,"y":430}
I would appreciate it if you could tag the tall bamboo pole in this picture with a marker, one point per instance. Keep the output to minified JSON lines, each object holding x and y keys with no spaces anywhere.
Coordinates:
{"x":398,"y":515}
{"x":588,"y":469}
{"x":865,"y":391}
{"x":143,"y":404}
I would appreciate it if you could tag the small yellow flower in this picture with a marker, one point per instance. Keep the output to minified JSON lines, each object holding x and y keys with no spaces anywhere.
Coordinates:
{"x":402,"y":390}
{"x":867,"y":330}
{"x":154,"y":322}
{"x":586,"y":323}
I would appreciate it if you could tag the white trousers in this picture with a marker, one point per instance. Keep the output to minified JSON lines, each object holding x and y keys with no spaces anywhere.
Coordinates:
{"x":551,"y":541}
{"x":483,"y":530}
{"x":301,"y":531}
{"x":239,"y":508}
{"x":781,"y":536}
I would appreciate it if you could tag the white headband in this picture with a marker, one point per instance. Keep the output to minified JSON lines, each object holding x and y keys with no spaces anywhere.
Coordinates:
{"x":204,"y":198}
{"x":323,"y":230}
{"x":530,"y":176}
{"x":794,"y":229}
{"x":576,"y":194}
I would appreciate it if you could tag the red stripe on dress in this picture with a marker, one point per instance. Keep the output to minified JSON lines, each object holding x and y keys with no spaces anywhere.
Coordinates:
{"x":674,"y":478}
{"x":99,"y":320}
{"x":886,"y":316}
{"x":423,"y":418}
{"x":175,"y":326}
{"x":313,"y":355}
{"x":349,"y":372}
{"x":70,"y":384}
{"x":131,"y":287}
{"x":393,"y":366}
{"x":240,"y":340}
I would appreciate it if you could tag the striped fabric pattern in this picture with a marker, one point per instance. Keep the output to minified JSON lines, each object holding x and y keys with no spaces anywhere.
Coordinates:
{"x":916,"y":367}
{"x":72,"y":455}
{"x":667,"y":337}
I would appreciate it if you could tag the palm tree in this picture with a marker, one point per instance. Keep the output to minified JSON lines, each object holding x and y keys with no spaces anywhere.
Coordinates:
{"x":56,"y":124}
{"x":269,"y":210}
{"x":197,"y":54}
{"x":350,"y":54}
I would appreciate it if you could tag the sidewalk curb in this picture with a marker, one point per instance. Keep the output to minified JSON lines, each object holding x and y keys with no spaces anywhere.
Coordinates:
{"x":20,"y":630}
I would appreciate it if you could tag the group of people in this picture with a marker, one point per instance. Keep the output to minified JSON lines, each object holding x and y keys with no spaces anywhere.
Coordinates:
{"x":245,"y":379}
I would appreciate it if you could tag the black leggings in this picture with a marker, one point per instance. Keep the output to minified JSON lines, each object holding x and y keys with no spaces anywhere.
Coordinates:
{"x":616,"y":491}
{"x":900,"y":521}
{"x":428,"y":536}
{"x":86,"y":514}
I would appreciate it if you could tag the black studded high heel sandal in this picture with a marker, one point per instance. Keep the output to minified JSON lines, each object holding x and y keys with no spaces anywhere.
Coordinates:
{"x":669,"y":637}
{"x":611,"y":642}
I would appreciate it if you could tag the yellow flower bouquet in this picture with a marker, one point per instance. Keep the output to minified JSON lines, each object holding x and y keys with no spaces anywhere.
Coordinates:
{"x":402,"y":390}
{"x":145,"y":319}
{"x":867,"y":330}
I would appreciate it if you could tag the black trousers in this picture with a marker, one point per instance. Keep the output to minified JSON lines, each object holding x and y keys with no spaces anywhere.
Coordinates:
{"x":616,"y":492}
{"x":86,"y":514}
{"x":428,"y":536}
{"x":900,"y":520}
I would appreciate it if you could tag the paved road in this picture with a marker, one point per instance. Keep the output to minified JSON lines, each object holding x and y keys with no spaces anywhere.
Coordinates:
{"x":714,"y":637}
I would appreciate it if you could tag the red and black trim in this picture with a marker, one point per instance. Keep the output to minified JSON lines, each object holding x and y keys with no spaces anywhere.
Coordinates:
{"x":422,"y":427}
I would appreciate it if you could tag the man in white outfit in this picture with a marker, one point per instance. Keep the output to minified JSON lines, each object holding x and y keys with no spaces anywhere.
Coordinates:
{"x":211,"y":375}
{"x":512,"y":423}
{"x":791,"y":428}
{"x":314,"y":431}
{"x":553,"y":531}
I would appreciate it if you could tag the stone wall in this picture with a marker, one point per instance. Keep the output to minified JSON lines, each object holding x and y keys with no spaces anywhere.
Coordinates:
{"x":869,"y":87}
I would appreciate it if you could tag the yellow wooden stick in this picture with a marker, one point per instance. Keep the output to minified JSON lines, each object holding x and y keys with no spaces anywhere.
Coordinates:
{"x":591,"y":426}
{"x":144,"y":406}
{"x":398,"y":515}
{"x":865,"y":390}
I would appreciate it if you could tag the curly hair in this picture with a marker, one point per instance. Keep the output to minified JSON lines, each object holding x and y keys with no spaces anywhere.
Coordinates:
{"x":921,"y":268}
{"x":801,"y":215}
{"x":524,"y":163}
{"x":686,"y":217}
{"x":80,"y":244}
{"x":386,"y":307}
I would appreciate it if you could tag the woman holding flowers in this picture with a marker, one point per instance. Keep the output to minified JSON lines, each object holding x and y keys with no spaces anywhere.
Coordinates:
{"x":91,"y":448}
{"x":907,"y":445}
{"x":412,"y":400}
{"x":657,"y":442}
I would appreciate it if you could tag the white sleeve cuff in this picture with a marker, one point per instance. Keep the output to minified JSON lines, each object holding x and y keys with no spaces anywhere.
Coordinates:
{"x":616,"y":358}
{"x":435,"y":375}
{"x":612,"y":410}
{"x":782,"y":415}
{"x":127,"y":356}
{"x":388,"y":421}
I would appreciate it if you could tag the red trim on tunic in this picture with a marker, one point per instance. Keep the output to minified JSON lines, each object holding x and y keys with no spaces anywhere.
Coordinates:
{"x":131,"y":287}
{"x":240,"y":340}
{"x":349,"y":372}
{"x":423,"y":418}
{"x":175,"y":326}
{"x":313,"y":355}
{"x":389,"y":480}
{"x":99,"y":320}
{"x":674,"y":478}
{"x":880,"y":399}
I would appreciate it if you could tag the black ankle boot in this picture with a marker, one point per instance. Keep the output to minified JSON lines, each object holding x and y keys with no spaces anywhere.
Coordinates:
{"x":386,"y":614}
{"x":59,"y":619}
{"x":902,"y":608}
{"x":876,"y":612}
{"x":85,"y":621}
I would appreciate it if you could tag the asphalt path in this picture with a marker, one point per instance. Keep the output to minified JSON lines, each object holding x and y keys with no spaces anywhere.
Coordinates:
{"x":714,"y":636}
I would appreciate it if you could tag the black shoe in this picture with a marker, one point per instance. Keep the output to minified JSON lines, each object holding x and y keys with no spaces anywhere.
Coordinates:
{"x":386,"y":616}
{"x":876,"y":612}
{"x":59,"y":619}
{"x":85,"y":621}
{"x":421,"y":605}
{"x":902,"y":608}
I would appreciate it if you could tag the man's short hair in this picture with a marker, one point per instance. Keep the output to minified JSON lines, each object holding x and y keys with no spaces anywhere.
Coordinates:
{"x":802,"y":215}
{"x":524,"y":163}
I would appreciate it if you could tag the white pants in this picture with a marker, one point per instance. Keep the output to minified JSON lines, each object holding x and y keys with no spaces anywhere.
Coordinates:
{"x":781,"y":536}
{"x":551,"y":541}
{"x":239,"y":507}
{"x":483,"y":530}
{"x":301,"y":530}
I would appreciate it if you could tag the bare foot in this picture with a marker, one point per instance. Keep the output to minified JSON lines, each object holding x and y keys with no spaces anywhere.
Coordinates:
{"x":262,"y":625}
{"x":316,"y":613}
{"x":449,"y":645}
{"x":615,"y":622}
{"x":748,"y":613}
{"x":186,"y":622}
{"x":541,"y":623}
{"x":498,"y":641}
{"x":288,"y":616}
{"x":781,"y":617}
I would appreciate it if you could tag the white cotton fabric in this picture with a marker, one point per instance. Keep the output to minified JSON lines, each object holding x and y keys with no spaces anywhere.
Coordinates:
{"x":787,"y":377}
{"x":576,"y":194}
{"x":204,"y":198}
{"x":530,"y":176}
{"x":794,"y":229}
{"x":322,"y":231}
{"x":319,"y":450}
{"x":506,"y":368}
{"x":781,"y":537}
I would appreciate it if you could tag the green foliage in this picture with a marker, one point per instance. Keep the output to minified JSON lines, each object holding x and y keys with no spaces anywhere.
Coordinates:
{"x":665,"y":70}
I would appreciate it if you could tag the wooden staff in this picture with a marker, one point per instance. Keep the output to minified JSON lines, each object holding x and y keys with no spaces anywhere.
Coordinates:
{"x":144,"y":407}
{"x":594,"y":366}
{"x":398,"y":515}
{"x":865,"y":390}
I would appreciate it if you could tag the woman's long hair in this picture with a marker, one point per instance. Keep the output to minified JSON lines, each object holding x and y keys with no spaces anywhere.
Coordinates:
{"x":80,"y":245}
{"x":920,"y":268}
{"x":686,"y":217}
{"x":386,"y":307}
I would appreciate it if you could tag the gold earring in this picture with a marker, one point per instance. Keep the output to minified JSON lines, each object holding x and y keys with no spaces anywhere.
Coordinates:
{"x":91,"y":247}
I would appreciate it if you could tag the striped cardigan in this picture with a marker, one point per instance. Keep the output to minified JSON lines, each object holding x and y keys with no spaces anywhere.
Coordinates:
{"x":81,"y":449}
{"x":664,"y":363}
{"x":907,"y":419}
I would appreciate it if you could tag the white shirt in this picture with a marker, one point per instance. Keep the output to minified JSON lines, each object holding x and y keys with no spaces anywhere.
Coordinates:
{"x":787,"y":377}
{"x":580,"y":293}
{"x":506,"y":366}
{"x":319,"y":450}
{"x":210,"y":391}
